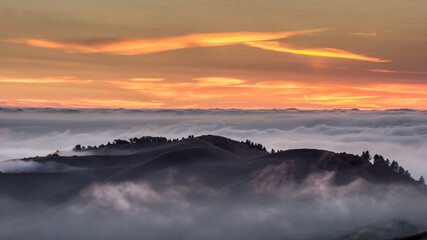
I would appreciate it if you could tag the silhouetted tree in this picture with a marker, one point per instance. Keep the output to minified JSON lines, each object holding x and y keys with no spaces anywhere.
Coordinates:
{"x":394,"y":166}
{"x":120,"y":141}
{"x":421,"y":180}
{"x":378,"y":160}
{"x":366,"y":155}
{"x":401,"y":171}
{"x":78,"y":147}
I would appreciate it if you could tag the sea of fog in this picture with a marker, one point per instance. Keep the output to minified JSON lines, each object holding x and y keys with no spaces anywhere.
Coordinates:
{"x":396,"y":134}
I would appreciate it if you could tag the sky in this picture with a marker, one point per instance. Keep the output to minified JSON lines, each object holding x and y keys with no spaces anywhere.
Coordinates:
{"x":213,"y":54}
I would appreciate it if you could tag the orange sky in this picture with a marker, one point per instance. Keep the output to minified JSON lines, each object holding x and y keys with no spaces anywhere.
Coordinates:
{"x":214,"y":54}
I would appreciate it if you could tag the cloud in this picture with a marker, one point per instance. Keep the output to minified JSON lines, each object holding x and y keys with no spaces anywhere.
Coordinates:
{"x":398,"y":135}
{"x":276,"y":209}
{"x":227,"y":92}
{"x":141,"y":210}
{"x":394,"y":71}
{"x":64,"y":79}
{"x":19,"y":166}
{"x":366,"y":96}
{"x":80,"y":103}
{"x":320,"y":52}
{"x":199,"y":88}
{"x":153,"y":45}
{"x":372,"y":34}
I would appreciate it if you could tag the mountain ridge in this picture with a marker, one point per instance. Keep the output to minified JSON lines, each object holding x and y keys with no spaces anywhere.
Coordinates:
{"x":213,"y":159}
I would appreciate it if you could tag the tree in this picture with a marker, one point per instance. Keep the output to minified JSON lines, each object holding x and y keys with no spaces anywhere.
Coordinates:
{"x":120,"y":141}
{"x":78,"y":147}
{"x":407,"y":174}
{"x":394,"y":166}
{"x":421,"y":180}
{"x":378,"y":160}
{"x":401,"y":171}
{"x":366,"y":155}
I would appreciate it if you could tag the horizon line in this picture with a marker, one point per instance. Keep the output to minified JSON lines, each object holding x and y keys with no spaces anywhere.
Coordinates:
{"x":207,"y":109}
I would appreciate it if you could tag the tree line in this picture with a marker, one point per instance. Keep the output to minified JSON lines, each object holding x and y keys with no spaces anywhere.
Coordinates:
{"x":135,"y":140}
{"x":380,"y":163}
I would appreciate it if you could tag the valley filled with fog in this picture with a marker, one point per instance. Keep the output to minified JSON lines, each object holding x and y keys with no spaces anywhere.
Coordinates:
{"x":396,"y":134}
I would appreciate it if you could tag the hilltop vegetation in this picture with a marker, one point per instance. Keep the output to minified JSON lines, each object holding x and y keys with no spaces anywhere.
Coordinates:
{"x":387,"y":169}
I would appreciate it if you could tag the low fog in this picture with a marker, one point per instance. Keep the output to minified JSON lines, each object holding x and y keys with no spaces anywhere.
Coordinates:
{"x":396,"y":134}
{"x":19,"y":166}
{"x":137,"y":210}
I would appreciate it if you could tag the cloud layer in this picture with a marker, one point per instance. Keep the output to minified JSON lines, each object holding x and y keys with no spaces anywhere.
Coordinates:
{"x":320,"y":52}
{"x":398,"y":135}
{"x":154,"y":45}
{"x":145,"y":46}
{"x":136,"y":210}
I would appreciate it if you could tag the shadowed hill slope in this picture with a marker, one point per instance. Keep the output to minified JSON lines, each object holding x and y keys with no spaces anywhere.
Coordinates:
{"x":215,"y":161}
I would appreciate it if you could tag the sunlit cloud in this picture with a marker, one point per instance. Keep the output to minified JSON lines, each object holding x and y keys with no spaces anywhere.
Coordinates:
{"x":396,"y":88}
{"x":199,"y":88}
{"x":394,"y":71}
{"x":43,"y":80}
{"x":230,"y":92}
{"x":320,"y":52}
{"x":217,"y":81}
{"x":79,"y":103}
{"x":240,"y":93}
{"x":147,"y":79}
{"x":372,"y":34}
{"x":154,"y":45}
{"x":260,"y":40}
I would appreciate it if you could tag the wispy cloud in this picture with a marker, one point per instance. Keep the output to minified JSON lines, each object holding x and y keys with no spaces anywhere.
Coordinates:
{"x":260,"y":40}
{"x":154,"y":45}
{"x":229,"y":92}
{"x":372,"y":34}
{"x":232,"y":92}
{"x":320,"y":52}
{"x":43,"y":80}
{"x":199,"y":88}
{"x":395,"y":71}
{"x":79,"y":103}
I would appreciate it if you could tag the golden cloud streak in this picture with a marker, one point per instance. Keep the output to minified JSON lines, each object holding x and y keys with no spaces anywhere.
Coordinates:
{"x":260,"y":40}
{"x":225,"y":92}
{"x":154,"y":45}
{"x":394,"y":71}
{"x":238,"y":93}
{"x":79,"y":103}
{"x":320,"y":52}
{"x":372,"y":34}
{"x":44,"y":80}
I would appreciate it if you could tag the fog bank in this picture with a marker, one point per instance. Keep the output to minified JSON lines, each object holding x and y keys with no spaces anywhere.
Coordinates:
{"x":396,"y":134}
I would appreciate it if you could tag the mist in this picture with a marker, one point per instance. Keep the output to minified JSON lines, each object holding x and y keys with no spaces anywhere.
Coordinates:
{"x":396,"y":134}
{"x":19,"y":166}
{"x":139,"y":210}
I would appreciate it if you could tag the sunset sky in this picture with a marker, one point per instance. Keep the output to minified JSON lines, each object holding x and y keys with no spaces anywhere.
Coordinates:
{"x":366,"y":54}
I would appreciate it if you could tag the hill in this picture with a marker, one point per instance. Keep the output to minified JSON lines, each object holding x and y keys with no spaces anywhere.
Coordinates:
{"x":215,"y":161}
